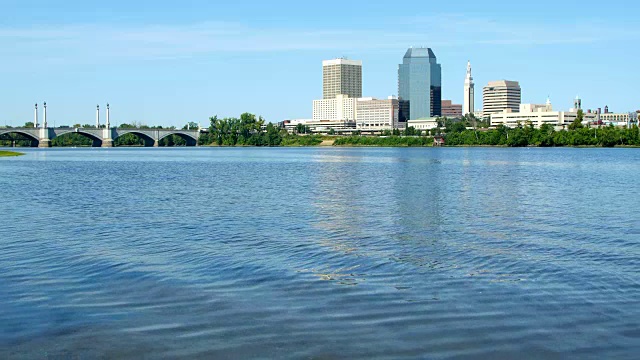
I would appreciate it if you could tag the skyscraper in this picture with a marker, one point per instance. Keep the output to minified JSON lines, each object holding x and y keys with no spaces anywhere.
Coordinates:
{"x":469,"y":92}
{"x":501,"y":95}
{"x":419,"y":85}
{"x":341,"y":77}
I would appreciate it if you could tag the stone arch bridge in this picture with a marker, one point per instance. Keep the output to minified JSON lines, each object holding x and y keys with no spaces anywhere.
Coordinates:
{"x":102,"y":137}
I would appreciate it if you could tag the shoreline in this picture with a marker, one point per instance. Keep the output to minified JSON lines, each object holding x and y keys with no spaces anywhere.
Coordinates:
{"x":331,"y":144}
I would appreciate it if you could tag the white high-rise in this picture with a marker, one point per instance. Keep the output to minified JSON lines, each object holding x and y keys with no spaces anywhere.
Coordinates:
{"x":469,"y":93}
{"x":502,"y":95}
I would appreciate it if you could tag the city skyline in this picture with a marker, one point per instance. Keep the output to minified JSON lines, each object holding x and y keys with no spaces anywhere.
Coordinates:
{"x":163,"y":64}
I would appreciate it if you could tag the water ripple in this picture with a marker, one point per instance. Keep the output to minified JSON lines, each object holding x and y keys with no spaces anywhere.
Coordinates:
{"x":320,"y":253}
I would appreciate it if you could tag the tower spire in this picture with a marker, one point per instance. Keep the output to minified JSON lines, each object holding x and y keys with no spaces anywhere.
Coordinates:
{"x":469,"y":92}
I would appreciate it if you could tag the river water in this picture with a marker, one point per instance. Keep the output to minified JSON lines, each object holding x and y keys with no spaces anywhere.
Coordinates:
{"x":322,"y":253}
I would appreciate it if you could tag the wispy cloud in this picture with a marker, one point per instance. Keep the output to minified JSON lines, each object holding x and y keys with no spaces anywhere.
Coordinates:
{"x":99,"y":43}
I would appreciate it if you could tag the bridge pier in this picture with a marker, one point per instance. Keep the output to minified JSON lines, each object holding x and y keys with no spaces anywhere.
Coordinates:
{"x":156,"y":143}
{"x":45,"y":135}
{"x":107,"y":143}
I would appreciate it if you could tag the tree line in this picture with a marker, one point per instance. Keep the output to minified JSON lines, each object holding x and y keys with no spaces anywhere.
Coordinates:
{"x":546,"y":136}
{"x":249,"y":130}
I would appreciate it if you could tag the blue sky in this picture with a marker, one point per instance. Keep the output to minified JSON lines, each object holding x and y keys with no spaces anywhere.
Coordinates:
{"x":168,"y":62}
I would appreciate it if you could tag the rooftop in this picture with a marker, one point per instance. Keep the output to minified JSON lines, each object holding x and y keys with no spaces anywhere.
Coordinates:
{"x":420,"y":52}
{"x":503,"y":83}
{"x":342,"y":61}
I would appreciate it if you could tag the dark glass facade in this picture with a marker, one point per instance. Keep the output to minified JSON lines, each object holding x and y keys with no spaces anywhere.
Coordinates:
{"x":403,"y":113}
{"x":419,"y":85}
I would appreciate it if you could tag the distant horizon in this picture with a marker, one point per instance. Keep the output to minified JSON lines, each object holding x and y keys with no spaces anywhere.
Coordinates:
{"x":162,"y":64}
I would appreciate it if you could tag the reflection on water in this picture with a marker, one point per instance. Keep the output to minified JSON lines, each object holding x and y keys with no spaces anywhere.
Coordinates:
{"x":320,"y":253}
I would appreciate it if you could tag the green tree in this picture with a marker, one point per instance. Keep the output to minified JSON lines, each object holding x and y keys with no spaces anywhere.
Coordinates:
{"x":273,"y":135}
{"x":410,"y":131}
{"x":456,"y":127}
{"x":577,"y":123}
{"x":191,"y":126}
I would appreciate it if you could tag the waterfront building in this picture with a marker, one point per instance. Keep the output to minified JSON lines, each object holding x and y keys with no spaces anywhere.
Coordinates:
{"x":341,"y":107}
{"x":316,"y":126}
{"x":619,"y":119}
{"x":469,"y":92}
{"x":341,"y":77}
{"x":423,"y":124}
{"x":376,"y":114}
{"x":538,"y":115}
{"x":502,"y":95}
{"x":369,"y":113}
{"x":451,"y":110}
{"x":419,"y":85}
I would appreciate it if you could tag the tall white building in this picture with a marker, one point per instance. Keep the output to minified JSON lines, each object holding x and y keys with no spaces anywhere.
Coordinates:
{"x":341,"y":77}
{"x":341,"y":107}
{"x":469,"y":93}
{"x":499,"y":96}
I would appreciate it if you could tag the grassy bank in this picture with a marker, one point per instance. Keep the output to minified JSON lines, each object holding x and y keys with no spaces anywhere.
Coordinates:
{"x":4,"y":153}
{"x":293,"y":141}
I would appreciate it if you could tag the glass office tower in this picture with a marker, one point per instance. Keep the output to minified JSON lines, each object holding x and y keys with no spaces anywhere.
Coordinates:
{"x":419,"y":85}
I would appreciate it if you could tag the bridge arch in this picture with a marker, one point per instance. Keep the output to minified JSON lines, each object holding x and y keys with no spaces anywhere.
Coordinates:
{"x":34,"y":139}
{"x":148,"y":140}
{"x":96,"y":141}
{"x":190,"y":139}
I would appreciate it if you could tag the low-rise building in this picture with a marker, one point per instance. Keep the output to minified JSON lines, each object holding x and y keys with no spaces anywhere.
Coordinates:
{"x":538,"y":115}
{"x":319,"y":126}
{"x":292,"y":124}
{"x":423,"y":124}
{"x":619,"y":119}
{"x":451,"y":110}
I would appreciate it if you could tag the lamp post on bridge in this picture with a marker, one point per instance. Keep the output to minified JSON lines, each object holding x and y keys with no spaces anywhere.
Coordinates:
{"x":108,"y":124}
{"x":97,"y":116}
{"x":35,"y":117}
{"x":44,"y":117}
